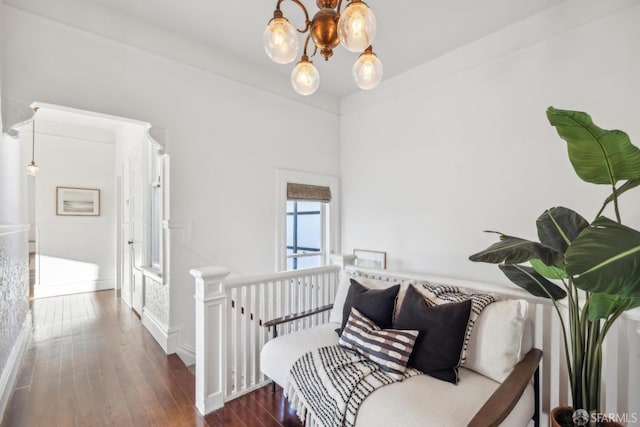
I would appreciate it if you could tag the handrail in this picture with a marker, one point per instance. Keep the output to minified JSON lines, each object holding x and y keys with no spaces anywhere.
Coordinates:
{"x":297,"y":316}
{"x":237,"y":282}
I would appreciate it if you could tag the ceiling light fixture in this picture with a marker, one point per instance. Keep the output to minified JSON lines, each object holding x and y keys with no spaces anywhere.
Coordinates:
{"x":354,"y":28}
{"x":32,"y":168}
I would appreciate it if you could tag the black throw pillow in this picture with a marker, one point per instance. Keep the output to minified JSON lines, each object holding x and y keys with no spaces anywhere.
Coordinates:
{"x":376,"y":304}
{"x":438,"y":349}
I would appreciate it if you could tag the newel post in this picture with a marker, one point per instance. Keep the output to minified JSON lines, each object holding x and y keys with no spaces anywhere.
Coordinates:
{"x":211,"y":338}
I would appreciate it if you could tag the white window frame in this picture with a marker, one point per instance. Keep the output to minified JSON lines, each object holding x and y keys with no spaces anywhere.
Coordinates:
{"x":157,"y":173}
{"x":331,"y":213}
{"x":156,"y":188}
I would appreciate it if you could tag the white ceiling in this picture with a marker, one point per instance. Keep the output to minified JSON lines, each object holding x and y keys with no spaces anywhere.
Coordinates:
{"x":409,"y":32}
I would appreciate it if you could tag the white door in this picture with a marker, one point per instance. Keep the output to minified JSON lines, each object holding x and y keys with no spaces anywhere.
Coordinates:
{"x":124,"y":238}
{"x":136,"y":230}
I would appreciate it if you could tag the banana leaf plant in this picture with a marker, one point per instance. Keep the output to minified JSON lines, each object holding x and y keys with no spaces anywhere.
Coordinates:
{"x":595,"y":266}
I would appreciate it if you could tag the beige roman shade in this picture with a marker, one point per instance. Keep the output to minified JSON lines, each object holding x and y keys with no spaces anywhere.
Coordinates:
{"x":315,"y":193}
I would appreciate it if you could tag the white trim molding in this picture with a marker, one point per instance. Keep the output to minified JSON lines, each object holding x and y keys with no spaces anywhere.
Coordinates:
{"x":12,"y":367}
{"x":183,"y":226}
{"x":168,"y":338}
{"x":187,"y":354}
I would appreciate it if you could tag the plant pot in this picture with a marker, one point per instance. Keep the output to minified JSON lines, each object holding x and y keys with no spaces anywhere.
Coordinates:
{"x":562,"y":416}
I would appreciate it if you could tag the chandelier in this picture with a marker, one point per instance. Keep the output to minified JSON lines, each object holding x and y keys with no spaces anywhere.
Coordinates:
{"x":354,"y":29}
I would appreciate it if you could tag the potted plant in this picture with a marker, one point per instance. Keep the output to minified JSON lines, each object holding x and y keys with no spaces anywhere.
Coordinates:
{"x":595,"y":266}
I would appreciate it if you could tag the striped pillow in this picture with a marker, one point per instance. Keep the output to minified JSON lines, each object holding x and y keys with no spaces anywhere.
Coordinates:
{"x":389,"y":348}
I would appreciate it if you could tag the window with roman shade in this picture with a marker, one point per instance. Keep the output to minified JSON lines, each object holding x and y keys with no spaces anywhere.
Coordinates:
{"x":305,"y":228}
{"x":307,"y":219}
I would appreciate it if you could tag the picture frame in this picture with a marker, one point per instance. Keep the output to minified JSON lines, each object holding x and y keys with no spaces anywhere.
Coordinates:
{"x":370,"y":259}
{"x":76,"y":201}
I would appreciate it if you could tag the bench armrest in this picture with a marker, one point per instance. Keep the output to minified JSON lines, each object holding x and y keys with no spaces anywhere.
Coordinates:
{"x":296,"y":316}
{"x":502,"y":401}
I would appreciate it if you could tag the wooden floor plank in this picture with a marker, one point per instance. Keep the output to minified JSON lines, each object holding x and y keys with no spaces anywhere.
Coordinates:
{"x":90,"y":362}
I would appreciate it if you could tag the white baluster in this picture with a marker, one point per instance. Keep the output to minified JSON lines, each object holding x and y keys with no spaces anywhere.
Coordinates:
{"x":237,"y":349}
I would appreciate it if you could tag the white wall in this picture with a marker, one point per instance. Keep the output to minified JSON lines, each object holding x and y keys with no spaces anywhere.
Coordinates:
{"x":14,"y":293}
{"x":1,"y":68}
{"x":75,"y":253}
{"x":225,"y":139}
{"x":13,"y":181}
{"x":472,"y":150}
{"x":463,"y":145}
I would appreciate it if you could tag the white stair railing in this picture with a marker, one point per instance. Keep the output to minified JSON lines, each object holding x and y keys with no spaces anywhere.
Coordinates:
{"x":230,"y":314}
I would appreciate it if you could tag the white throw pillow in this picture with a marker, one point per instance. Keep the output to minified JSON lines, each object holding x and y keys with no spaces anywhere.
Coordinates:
{"x":498,"y":339}
{"x":341,"y":296}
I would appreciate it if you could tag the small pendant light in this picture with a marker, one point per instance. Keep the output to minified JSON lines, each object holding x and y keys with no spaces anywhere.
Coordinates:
{"x":32,"y":168}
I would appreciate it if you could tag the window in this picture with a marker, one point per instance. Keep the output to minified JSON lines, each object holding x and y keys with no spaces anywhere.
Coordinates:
{"x":305,"y":234}
{"x":156,"y":213}
{"x":306,"y":219}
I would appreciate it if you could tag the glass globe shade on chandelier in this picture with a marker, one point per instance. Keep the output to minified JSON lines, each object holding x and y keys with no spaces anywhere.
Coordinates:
{"x":354,"y":29}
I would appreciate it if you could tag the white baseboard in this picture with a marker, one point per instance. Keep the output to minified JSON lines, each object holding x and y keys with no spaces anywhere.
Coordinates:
{"x":12,"y":367}
{"x":187,"y":354}
{"x":44,"y":291}
{"x":173,"y":340}
{"x":167,"y":338}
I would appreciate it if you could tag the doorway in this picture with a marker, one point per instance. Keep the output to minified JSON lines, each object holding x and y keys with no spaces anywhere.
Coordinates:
{"x":82,"y":245}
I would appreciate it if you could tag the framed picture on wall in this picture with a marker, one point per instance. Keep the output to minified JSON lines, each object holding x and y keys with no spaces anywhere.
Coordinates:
{"x":77,"y":201}
{"x":370,"y":259}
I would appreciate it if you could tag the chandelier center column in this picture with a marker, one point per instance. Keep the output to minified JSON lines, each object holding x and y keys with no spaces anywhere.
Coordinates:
{"x":324,"y":31}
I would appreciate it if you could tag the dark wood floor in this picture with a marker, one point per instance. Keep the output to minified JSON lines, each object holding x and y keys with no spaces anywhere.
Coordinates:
{"x":91,"y":363}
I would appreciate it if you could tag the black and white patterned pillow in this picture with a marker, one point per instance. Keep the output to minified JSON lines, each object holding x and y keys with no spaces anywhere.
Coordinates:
{"x":389,"y":348}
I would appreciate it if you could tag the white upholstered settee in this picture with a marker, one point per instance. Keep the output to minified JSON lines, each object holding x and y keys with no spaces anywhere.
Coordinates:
{"x":496,"y":384}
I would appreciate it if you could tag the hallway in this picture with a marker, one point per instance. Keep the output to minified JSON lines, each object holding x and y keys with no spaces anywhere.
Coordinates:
{"x":90,"y":362}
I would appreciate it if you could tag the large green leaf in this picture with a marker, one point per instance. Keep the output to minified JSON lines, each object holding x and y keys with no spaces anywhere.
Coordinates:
{"x":528,"y":279}
{"x":558,"y":227}
{"x":601,"y":306}
{"x":598,"y":156}
{"x":605,"y":258}
{"x":513,"y":250}
{"x":557,"y":272}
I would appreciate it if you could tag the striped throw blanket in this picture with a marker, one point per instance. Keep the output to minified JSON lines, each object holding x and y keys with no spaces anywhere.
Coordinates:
{"x":327,"y":385}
